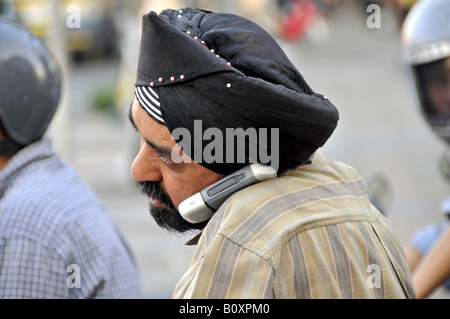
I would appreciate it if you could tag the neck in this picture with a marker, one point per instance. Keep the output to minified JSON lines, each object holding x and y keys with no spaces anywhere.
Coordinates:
{"x":3,"y":161}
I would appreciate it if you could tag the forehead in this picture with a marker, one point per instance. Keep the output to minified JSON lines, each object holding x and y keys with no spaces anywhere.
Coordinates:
{"x":149,"y":128}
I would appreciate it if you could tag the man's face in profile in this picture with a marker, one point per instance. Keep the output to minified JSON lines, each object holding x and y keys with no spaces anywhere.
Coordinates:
{"x":438,"y":81}
{"x":165,"y":180}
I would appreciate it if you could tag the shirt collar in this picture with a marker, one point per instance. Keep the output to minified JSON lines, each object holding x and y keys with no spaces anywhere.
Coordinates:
{"x":29,"y":154}
{"x":314,"y":157}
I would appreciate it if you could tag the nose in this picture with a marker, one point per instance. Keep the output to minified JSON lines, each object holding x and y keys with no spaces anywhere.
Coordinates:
{"x":144,"y":167}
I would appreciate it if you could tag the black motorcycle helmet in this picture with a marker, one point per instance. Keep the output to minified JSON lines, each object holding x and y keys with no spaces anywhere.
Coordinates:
{"x":30,"y":86}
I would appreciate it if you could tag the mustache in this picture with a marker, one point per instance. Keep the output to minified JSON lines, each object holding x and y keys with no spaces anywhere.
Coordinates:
{"x":152,"y":189}
{"x":167,"y":217}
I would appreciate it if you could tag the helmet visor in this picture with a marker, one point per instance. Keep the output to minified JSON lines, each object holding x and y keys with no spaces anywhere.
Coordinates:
{"x":433,"y":88}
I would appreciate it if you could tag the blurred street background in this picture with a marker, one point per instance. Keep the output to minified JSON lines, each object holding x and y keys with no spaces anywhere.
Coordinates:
{"x":336,"y":46}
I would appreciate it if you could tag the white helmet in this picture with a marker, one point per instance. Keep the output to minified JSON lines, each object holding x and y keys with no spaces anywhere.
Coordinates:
{"x":426,"y":41}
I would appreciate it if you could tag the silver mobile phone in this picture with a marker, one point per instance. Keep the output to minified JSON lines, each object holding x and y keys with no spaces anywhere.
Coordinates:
{"x":202,"y":205}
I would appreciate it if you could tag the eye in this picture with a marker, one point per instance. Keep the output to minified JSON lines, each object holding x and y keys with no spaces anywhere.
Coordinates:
{"x":167,"y":160}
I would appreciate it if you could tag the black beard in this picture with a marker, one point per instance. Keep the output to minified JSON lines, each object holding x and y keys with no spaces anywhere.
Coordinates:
{"x":167,"y":217}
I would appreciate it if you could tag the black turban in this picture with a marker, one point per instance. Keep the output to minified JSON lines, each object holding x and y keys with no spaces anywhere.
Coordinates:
{"x":224,"y":71}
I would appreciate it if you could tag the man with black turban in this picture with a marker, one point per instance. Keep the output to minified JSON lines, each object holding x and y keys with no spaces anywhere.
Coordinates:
{"x":309,"y":233}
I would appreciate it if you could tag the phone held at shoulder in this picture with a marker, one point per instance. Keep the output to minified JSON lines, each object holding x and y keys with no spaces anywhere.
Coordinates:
{"x":202,"y":205}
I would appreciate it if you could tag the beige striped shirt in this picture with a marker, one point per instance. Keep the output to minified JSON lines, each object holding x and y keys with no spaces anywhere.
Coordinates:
{"x":311,"y":233}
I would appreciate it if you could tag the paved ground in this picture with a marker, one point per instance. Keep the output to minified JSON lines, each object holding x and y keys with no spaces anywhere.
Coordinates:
{"x":380,"y":130}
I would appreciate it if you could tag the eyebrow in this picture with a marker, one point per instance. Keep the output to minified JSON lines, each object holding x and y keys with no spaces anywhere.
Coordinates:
{"x":161,"y":150}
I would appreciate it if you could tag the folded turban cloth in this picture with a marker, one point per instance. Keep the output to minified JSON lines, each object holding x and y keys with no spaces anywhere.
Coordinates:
{"x":227,"y":72}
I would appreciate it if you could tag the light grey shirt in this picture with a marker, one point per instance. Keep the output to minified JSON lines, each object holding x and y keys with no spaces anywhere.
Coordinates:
{"x":56,"y":238}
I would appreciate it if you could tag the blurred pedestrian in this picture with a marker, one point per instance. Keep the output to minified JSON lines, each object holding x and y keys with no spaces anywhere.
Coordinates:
{"x":56,"y":238}
{"x":426,"y":39}
{"x":309,"y":233}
